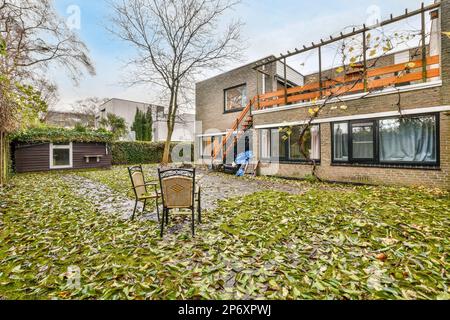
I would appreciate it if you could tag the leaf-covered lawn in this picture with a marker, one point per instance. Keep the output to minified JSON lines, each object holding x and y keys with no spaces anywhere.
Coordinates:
{"x":351,"y":243}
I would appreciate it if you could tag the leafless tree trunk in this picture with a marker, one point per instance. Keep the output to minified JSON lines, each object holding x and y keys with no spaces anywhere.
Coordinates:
{"x":176,"y":40}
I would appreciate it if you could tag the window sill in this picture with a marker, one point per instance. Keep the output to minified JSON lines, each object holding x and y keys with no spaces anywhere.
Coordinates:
{"x":310,"y":163}
{"x":389,"y":166}
{"x":233,"y":111}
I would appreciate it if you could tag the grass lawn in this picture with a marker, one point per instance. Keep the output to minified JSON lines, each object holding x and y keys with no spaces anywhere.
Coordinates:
{"x":336,"y":243}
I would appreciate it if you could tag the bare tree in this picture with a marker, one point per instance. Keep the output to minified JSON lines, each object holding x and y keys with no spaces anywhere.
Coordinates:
{"x":32,"y":38}
{"x":176,"y":40}
{"x":89,"y":106}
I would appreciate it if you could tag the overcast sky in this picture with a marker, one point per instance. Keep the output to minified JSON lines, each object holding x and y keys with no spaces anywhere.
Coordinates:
{"x":271,"y":27}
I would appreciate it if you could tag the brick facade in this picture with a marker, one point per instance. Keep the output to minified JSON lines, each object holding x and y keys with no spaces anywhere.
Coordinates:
{"x":367,"y":174}
{"x":210,"y":99}
{"x":433,"y":96}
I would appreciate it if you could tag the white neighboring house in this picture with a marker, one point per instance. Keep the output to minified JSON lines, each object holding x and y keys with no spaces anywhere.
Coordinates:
{"x":184,"y":126}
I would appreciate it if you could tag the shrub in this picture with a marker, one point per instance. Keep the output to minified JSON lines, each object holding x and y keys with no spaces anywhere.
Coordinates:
{"x":138,"y":152}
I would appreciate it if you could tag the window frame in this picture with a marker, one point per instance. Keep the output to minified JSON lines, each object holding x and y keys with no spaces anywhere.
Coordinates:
{"x":61,"y":147}
{"x":376,"y":160}
{"x":225,"y":111}
{"x":333,"y":159}
{"x":372,"y":160}
{"x":286,"y":157}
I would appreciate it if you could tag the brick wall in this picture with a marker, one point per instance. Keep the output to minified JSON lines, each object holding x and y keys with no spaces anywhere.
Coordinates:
{"x":210,"y":110}
{"x":210,"y":96}
{"x":371,"y":175}
{"x":377,"y":175}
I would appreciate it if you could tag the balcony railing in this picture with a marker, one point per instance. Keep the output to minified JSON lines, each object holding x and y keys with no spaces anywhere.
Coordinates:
{"x":357,"y":82}
{"x":363,"y":77}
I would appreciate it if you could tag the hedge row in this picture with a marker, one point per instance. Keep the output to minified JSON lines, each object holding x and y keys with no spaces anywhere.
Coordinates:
{"x":60,"y":135}
{"x":130,"y":153}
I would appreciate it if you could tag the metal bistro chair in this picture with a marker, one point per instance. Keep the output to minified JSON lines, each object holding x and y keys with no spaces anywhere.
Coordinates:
{"x":140,"y":189}
{"x":178,"y":191}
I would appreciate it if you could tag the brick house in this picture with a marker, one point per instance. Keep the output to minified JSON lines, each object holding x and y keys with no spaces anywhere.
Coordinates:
{"x":386,"y":122}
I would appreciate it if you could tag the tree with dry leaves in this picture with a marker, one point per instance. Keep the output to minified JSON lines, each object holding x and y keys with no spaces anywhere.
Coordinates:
{"x":33,"y":37}
{"x":175,"y":41}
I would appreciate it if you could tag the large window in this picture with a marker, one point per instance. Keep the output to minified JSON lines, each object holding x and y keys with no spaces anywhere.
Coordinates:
{"x":61,"y":156}
{"x":410,"y":140}
{"x":286,"y":144}
{"x":236,"y":98}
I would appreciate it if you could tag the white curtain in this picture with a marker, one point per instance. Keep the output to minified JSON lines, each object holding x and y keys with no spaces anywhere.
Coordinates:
{"x":410,"y":140}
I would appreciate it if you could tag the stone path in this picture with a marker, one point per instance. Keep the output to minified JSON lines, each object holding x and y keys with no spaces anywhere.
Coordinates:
{"x":106,"y":200}
{"x":217,"y":186}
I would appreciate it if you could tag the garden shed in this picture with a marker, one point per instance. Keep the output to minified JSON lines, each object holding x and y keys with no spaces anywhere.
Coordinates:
{"x":45,"y":149}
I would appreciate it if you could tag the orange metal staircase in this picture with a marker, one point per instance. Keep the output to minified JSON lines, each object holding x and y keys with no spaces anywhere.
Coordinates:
{"x":241,"y":125}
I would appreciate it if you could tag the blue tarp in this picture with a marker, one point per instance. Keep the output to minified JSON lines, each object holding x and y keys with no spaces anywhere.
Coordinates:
{"x":243,"y":159}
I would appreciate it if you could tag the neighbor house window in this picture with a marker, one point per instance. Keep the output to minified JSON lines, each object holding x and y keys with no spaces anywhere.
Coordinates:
{"x":236,"y":98}
{"x":408,"y":140}
{"x":61,"y":156}
{"x":285,"y":144}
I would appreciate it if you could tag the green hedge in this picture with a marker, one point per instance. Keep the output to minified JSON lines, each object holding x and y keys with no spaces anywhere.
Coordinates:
{"x":60,"y":135}
{"x":139,"y":152}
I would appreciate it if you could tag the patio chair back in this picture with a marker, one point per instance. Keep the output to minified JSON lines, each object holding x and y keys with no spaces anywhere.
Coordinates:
{"x":138,"y":181}
{"x":177,"y":188}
